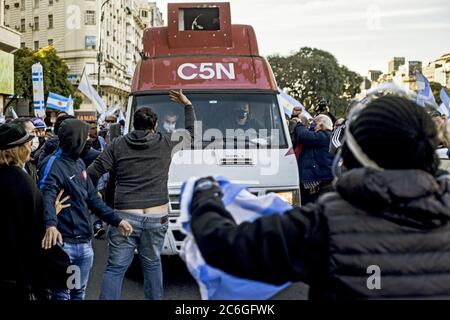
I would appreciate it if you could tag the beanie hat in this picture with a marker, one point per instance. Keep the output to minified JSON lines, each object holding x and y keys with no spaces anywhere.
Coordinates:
{"x":395,"y":133}
{"x":38,"y":123}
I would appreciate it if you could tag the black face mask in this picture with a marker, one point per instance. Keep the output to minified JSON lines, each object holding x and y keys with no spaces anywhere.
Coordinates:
{"x":240,"y":114}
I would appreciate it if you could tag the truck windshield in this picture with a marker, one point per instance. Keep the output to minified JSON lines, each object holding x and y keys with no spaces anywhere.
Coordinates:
{"x":230,"y":119}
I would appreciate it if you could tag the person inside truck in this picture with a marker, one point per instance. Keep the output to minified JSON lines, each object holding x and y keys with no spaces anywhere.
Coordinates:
{"x":170,"y":122}
{"x":241,"y":118}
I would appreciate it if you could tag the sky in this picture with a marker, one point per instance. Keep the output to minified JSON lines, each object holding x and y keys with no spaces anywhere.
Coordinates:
{"x":362,"y":34}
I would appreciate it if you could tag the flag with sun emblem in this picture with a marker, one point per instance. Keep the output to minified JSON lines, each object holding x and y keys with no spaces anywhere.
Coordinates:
{"x":37,"y":76}
{"x":57,"y":102}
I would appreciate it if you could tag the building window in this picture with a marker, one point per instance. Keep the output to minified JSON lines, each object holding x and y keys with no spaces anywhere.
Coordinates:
{"x":90,"y":42}
{"x":50,"y":42}
{"x":89,"y":18}
{"x":36,"y":3}
{"x":22,"y":45}
{"x":22,"y":5}
{"x":50,"y":2}
{"x":50,"y":21}
{"x":36,"y":23}
{"x":36,"y":45}
{"x":144,"y":14}
{"x":22,"y":25}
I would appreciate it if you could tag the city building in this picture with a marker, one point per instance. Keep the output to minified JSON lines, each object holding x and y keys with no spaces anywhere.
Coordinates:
{"x":80,"y":30}
{"x":406,"y":74}
{"x":9,"y":42}
{"x":395,"y":63}
{"x":439,"y":70}
{"x":373,"y":75}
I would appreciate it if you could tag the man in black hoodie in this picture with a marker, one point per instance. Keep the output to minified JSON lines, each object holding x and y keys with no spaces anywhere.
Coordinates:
{"x":65,"y":171}
{"x":141,"y":161}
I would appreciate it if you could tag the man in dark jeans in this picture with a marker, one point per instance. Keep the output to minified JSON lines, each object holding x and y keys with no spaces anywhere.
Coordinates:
{"x":66,"y":171}
{"x":141,"y":161}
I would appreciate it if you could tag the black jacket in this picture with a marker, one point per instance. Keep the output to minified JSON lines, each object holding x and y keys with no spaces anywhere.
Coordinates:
{"x":22,"y":231}
{"x":396,"y":220}
{"x":140,"y":161}
{"x":65,"y":170}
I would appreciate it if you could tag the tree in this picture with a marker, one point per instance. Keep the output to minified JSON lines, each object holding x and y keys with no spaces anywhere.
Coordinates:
{"x":313,"y":74}
{"x":55,"y":73}
{"x":436,"y":89}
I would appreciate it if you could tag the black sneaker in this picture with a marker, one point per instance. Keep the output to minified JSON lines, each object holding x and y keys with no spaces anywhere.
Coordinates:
{"x":99,"y":231}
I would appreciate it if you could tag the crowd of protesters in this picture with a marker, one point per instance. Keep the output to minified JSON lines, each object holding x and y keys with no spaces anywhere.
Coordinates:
{"x":388,"y":205}
{"x":48,"y":197}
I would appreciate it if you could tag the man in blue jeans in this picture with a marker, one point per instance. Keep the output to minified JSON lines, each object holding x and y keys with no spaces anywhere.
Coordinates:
{"x":140,"y":161}
{"x":65,"y":173}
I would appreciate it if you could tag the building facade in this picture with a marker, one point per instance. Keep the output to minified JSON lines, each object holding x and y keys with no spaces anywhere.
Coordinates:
{"x":9,"y":42}
{"x":439,"y":70}
{"x":373,"y":75}
{"x":395,"y":63}
{"x":80,"y":30}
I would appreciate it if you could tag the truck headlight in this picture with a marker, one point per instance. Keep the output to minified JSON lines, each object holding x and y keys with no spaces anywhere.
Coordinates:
{"x":289,"y":196}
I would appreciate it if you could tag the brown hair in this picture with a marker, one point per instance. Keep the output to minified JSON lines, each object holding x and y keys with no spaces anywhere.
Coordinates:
{"x":15,"y":156}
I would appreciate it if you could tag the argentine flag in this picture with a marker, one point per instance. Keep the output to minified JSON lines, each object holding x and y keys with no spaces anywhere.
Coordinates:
{"x":444,"y":108}
{"x":289,"y":103}
{"x":57,"y":102}
{"x":425,"y":95}
{"x":215,"y":284}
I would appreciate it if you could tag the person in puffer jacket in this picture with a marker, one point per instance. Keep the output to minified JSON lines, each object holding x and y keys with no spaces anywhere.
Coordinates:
{"x":384,"y":233}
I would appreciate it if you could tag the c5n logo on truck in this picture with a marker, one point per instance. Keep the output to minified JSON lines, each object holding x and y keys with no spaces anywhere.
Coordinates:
{"x":206,"y":71}
{"x":241,"y":132}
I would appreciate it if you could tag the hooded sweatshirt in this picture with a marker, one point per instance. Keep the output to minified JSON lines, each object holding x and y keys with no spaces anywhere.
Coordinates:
{"x":65,"y":170}
{"x":140,"y":161}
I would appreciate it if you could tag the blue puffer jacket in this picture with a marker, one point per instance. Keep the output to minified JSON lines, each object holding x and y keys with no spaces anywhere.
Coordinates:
{"x":65,"y":170}
{"x":314,"y":162}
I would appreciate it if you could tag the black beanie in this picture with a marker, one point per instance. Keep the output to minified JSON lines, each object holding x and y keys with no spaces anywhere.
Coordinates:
{"x":396,"y":133}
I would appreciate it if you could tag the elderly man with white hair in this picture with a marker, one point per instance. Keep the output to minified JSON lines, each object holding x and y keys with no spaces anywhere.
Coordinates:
{"x":314,"y":161}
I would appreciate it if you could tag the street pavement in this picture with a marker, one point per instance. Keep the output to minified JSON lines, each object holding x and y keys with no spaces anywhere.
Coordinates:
{"x":178,"y":283}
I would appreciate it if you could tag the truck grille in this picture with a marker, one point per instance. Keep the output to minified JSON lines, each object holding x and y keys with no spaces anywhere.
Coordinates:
{"x":236,"y":162}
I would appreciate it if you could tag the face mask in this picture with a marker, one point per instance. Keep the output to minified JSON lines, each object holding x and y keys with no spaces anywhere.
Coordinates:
{"x":35,"y":144}
{"x":240,"y":114}
{"x":169,"y":127}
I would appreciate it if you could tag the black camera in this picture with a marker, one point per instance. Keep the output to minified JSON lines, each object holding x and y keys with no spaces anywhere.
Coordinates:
{"x":321,"y":106}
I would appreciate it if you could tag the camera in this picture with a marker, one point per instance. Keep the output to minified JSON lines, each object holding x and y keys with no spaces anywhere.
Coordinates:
{"x":321,"y":106}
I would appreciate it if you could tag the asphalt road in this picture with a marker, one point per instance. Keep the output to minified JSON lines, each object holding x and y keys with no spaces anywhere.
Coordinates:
{"x":178,"y":283}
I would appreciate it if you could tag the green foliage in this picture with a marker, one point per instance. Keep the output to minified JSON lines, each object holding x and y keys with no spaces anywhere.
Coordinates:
{"x":55,"y":73}
{"x":313,"y":74}
{"x":436,"y":89}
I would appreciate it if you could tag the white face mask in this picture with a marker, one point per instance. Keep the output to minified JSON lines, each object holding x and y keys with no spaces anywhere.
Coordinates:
{"x":34,"y":144}
{"x":169,"y":127}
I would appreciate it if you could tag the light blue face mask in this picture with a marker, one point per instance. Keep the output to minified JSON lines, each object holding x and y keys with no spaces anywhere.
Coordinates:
{"x":373,"y":94}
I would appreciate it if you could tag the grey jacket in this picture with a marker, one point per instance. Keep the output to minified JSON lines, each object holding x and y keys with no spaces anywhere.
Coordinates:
{"x":141,"y":161}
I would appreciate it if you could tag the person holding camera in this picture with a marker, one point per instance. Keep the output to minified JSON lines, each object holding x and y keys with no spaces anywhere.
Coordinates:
{"x":323,"y":108}
{"x":314,"y":160}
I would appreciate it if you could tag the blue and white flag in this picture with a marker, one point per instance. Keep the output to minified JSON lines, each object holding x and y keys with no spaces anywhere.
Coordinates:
{"x":70,"y":110}
{"x":37,"y":77}
{"x":215,"y":284}
{"x":445,"y":97}
{"x":425,"y":94}
{"x":444,"y":108}
{"x":289,"y":103}
{"x":57,"y":102}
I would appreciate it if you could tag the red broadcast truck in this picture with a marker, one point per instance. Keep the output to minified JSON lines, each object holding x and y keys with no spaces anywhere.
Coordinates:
{"x":242,"y":133}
